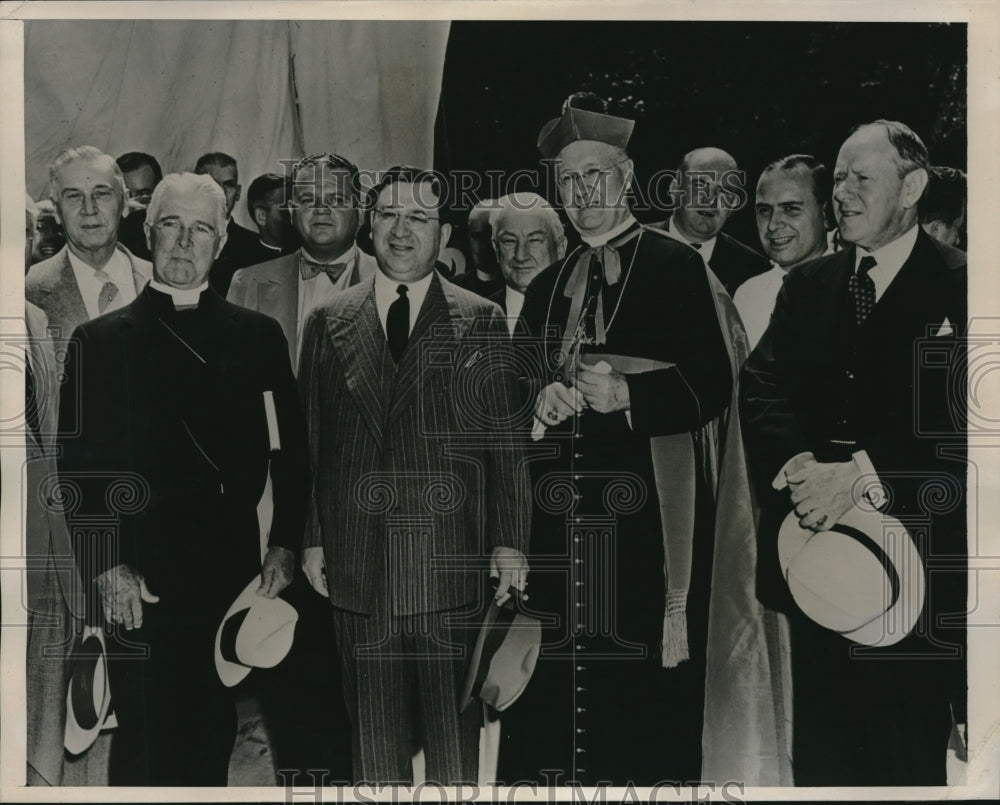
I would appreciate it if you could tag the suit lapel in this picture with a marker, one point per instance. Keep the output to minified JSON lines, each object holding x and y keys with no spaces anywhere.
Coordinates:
{"x":67,"y":301}
{"x":440,"y":308}
{"x":357,"y":336}
{"x":278,"y":296}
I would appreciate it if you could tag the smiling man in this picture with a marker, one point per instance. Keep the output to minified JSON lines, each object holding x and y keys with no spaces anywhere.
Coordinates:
{"x":326,"y":213}
{"x":527,"y":236}
{"x":623,"y":344}
{"x":404,"y":477}
{"x":793,"y":199}
{"x":173,"y":394}
{"x":843,"y":408}
{"x":92,"y":274}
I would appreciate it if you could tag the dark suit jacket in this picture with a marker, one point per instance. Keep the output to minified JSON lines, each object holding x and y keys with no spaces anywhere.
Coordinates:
{"x":242,"y":249}
{"x":732,"y":262}
{"x":51,"y":285}
{"x":816,"y":381}
{"x":272,"y":288}
{"x":404,"y":473}
{"x":184,"y":441}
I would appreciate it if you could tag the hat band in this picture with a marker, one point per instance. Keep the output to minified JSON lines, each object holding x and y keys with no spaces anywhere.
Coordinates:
{"x":82,"y":683}
{"x":879,"y":553}
{"x":227,"y":640}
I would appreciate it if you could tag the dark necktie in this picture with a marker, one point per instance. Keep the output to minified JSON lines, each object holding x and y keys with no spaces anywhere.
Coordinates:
{"x":109,"y":291}
{"x":863,"y":289}
{"x":397,"y":324}
{"x":696,"y":246}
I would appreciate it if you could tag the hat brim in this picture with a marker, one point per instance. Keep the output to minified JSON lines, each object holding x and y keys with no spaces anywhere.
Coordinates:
{"x":89,"y":678}
{"x":887,"y":545}
{"x":232,"y":673}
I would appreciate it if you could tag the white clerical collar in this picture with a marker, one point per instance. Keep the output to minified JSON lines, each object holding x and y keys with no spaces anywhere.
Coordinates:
{"x":893,"y":254}
{"x":599,"y":240}
{"x":183,"y":297}
{"x":344,"y":257}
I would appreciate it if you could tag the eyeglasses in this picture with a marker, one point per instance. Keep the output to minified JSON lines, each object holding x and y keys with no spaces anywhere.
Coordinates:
{"x":75,"y":198}
{"x":414,"y":221}
{"x":565,"y":179}
{"x":171,"y":229}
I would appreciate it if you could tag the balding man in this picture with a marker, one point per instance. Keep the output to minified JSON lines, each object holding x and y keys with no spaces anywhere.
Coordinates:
{"x":793,"y":201}
{"x":483,"y":276}
{"x":172,"y":395}
{"x":843,"y":404}
{"x":527,"y":236}
{"x":93,"y":274}
{"x":707,"y":189}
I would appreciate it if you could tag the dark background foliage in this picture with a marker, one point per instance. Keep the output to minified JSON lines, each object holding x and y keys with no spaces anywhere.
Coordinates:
{"x":758,"y":90}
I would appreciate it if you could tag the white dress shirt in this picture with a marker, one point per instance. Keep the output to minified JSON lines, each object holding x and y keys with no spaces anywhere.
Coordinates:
{"x":754,"y":301}
{"x":705,"y":248}
{"x":514,"y":301}
{"x":385,"y":295}
{"x":889,"y":259}
{"x":317,"y":291}
{"x":118,"y":270}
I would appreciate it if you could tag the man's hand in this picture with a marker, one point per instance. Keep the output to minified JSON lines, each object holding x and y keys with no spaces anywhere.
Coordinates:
{"x":277,"y":572}
{"x":122,"y":592}
{"x":823,"y":492}
{"x":605,"y":391}
{"x":314,"y":566}
{"x":511,"y":567}
{"x":555,"y":403}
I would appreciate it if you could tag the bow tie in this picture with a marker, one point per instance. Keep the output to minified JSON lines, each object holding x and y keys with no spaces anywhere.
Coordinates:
{"x":309,"y":269}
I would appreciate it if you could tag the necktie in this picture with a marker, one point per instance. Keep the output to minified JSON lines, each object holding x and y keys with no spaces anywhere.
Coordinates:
{"x":310,"y":269}
{"x":695,"y":246}
{"x":397,"y":324}
{"x":109,"y":291}
{"x":862,"y":289}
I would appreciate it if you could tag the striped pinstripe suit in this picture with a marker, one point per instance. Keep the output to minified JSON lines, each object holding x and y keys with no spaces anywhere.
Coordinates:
{"x":418,"y":476}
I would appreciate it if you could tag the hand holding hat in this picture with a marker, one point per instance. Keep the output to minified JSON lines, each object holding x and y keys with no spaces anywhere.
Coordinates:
{"x":277,"y":571}
{"x":822,"y":492}
{"x":511,"y":568}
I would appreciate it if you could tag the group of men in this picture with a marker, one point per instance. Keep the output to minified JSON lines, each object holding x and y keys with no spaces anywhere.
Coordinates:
{"x":570,"y":423}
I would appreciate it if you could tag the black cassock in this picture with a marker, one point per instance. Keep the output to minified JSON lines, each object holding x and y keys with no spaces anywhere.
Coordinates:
{"x":601,"y":707}
{"x":165,"y":433}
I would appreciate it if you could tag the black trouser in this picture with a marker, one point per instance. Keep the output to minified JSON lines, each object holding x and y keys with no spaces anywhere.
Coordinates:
{"x":865,"y":721}
{"x":176,"y":720}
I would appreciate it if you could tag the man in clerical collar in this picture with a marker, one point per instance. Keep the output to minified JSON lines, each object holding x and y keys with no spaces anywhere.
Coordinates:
{"x":175,"y":410}
{"x":326,"y":213}
{"x":267,"y":203}
{"x":708,"y":186}
{"x":792,"y":206}
{"x":627,"y":330}
{"x":92,"y":274}
{"x":527,"y":236}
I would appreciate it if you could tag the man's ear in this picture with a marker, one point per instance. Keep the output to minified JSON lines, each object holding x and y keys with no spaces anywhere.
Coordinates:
{"x":148,"y":230}
{"x":239,"y":192}
{"x":222,"y":243}
{"x":561,"y":247}
{"x":913,"y":187}
{"x":445,"y":237}
{"x":259,"y":216}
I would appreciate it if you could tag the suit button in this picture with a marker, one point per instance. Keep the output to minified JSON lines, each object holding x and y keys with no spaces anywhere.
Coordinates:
{"x":580,"y":730}
{"x":581,"y":709}
{"x":580,"y":689}
{"x":581,"y":668}
{"x":849,"y":374}
{"x":578,"y":455}
{"x":580,"y":750}
{"x":579,"y":646}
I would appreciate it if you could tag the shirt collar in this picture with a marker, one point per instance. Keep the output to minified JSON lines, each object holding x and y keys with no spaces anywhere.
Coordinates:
{"x":183,"y":297}
{"x":387,"y":285}
{"x":599,"y":240}
{"x":112,"y":268}
{"x":704,"y":248}
{"x":344,"y":257}
{"x":890,"y":258}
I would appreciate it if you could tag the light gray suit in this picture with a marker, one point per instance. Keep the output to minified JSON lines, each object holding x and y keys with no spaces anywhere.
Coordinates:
{"x":51,"y":284}
{"x":272,"y":288}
